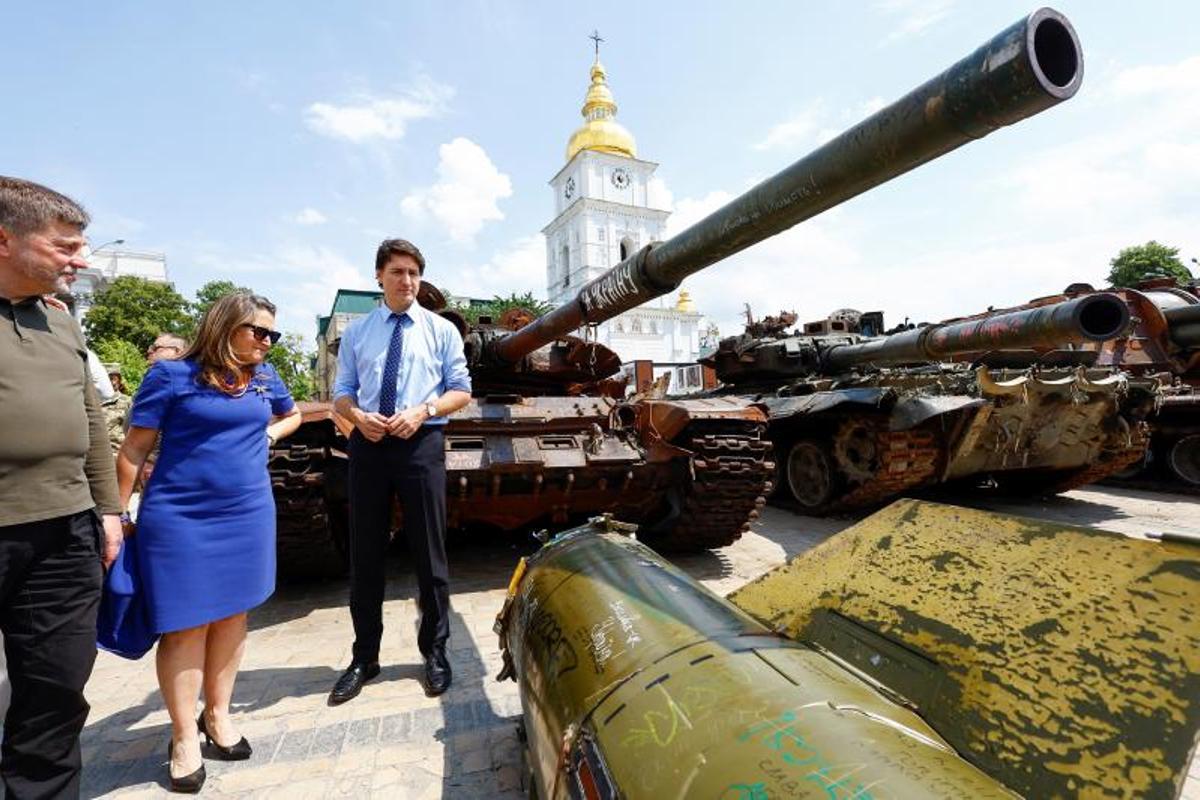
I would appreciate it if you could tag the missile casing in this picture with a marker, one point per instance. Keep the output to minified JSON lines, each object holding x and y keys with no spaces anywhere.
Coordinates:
{"x":636,"y":681}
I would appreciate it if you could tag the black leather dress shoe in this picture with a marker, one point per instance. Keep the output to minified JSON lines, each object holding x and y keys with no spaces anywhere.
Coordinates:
{"x":437,"y":672}
{"x":188,"y":784}
{"x":350,"y":684}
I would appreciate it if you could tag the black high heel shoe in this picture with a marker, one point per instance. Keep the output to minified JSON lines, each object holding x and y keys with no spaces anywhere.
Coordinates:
{"x":238,"y":752}
{"x":188,"y":784}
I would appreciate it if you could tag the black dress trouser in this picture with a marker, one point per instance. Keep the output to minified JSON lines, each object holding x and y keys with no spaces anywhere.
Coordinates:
{"x":50,"y":577}
{"x":414,"y":469}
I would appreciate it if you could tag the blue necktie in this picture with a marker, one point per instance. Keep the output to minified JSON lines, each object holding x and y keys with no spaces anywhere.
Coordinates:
{"x":387,"y":391}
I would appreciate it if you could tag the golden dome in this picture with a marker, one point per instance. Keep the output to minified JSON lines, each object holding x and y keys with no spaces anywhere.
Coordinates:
{"x":600,"y":130}
{"x":685,"y":302}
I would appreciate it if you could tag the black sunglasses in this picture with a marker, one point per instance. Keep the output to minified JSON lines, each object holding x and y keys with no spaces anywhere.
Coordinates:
{"x":261,"y":334}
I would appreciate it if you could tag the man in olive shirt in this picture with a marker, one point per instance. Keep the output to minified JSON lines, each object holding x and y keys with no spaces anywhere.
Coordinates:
{"x":58,"y":494}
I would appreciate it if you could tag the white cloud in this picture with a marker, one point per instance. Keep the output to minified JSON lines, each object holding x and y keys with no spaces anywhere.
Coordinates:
{"x":370,"y":116}
{"x":1160,"y":79}
{"x":107,"y":226}
{"x":913,"y":17}
{"x":798,"y":130}
{"x":466,"y":194}
{"x":520,"y":267}
{"x":659,"y":196}
{"x":310,"y":216}
{"x":691,"y":210}
{"x":300,"y":279}
{"x":1141,"y":159}
{"x":870,"y":106}
{"x":816,"y":124}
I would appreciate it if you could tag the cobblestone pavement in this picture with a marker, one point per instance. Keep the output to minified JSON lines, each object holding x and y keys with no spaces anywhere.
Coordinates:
{"x":394,"y":742}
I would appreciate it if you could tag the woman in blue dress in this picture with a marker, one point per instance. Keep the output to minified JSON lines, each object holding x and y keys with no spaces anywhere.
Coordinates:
{"x":205,"y":534}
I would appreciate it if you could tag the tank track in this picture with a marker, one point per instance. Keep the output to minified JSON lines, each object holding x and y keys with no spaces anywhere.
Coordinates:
{"x":732,"y":475}
{"x":907,"y":460}
{"x":1139,"y":440}
{"x":306,"y":541}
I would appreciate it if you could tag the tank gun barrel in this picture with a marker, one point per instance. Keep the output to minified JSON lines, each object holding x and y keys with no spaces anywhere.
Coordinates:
{"x":1028,"y":67}
{"x":1092,"y":318}
{"x":1184,"y":324}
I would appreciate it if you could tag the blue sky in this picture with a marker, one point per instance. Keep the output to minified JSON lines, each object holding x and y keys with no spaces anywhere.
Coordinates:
{"x":275,"y":143}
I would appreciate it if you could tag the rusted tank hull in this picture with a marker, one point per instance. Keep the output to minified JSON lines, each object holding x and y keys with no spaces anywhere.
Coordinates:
{"x":1158,"y":344}
{"x":694,"y":473}
{"x":308,"y":481}
{"x":883,"y":434}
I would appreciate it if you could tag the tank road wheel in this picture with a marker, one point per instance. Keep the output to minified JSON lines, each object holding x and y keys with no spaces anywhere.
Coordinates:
{"x":1183,"y":459}
{"x":809,"y":474}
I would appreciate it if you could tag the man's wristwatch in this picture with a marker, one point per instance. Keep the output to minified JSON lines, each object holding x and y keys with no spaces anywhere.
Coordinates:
{"x":431,"y":410}
{"x":270,"y":440}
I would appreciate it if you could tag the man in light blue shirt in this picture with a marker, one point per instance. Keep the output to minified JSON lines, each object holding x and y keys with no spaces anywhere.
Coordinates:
{"x":401,"y":372}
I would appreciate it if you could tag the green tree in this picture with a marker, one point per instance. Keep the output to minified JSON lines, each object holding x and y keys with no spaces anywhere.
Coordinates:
{"x":135,"y":310}
{"x":294,"y":365}
{"x":495,"y":307}
{"x":210,"y":293}
{"x":1149,"y":260}
{"x":133,"y":363}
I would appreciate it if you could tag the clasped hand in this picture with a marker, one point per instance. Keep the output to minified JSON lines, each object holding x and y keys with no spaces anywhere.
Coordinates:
{"x":374,"y":426}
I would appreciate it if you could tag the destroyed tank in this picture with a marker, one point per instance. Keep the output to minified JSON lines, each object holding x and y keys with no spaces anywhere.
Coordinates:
{"x":1163,"y":343}
{"x":857,"y":419}
{"x":534,"y":447}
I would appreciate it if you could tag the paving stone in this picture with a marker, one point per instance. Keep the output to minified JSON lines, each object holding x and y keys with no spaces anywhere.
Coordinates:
{"x":295,"y":745}
{"x":271,"y":775}
{"x":426,"y":722}
{"x":395,"y":728}
{"x":396,"y":755}
{"x":363,"y":732}
{"x":471,"y":761}
{"x":355,"y":762}
{"x":355,"y":786}
{"x":329,"y":739}
{"x":101,"y":778}
{"x":309,"y":789}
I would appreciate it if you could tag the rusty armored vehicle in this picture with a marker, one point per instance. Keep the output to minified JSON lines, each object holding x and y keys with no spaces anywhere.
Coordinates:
{"x":542,"y":442}
{"x":1164,"y":343}
{"x":547,"y":439}
{"x":858,"y":418}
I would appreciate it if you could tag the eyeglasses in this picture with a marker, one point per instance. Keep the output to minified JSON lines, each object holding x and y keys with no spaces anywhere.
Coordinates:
{"x":261,"y":334}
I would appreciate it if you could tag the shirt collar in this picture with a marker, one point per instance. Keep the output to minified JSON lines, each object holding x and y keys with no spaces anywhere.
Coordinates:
{"x":412,"y":312}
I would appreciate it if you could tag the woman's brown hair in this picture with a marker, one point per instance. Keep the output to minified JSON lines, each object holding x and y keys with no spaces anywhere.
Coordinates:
{"x":212,"y":349}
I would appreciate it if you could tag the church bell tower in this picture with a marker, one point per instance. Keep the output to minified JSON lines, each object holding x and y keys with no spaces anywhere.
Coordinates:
{"x":602,"y":216}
